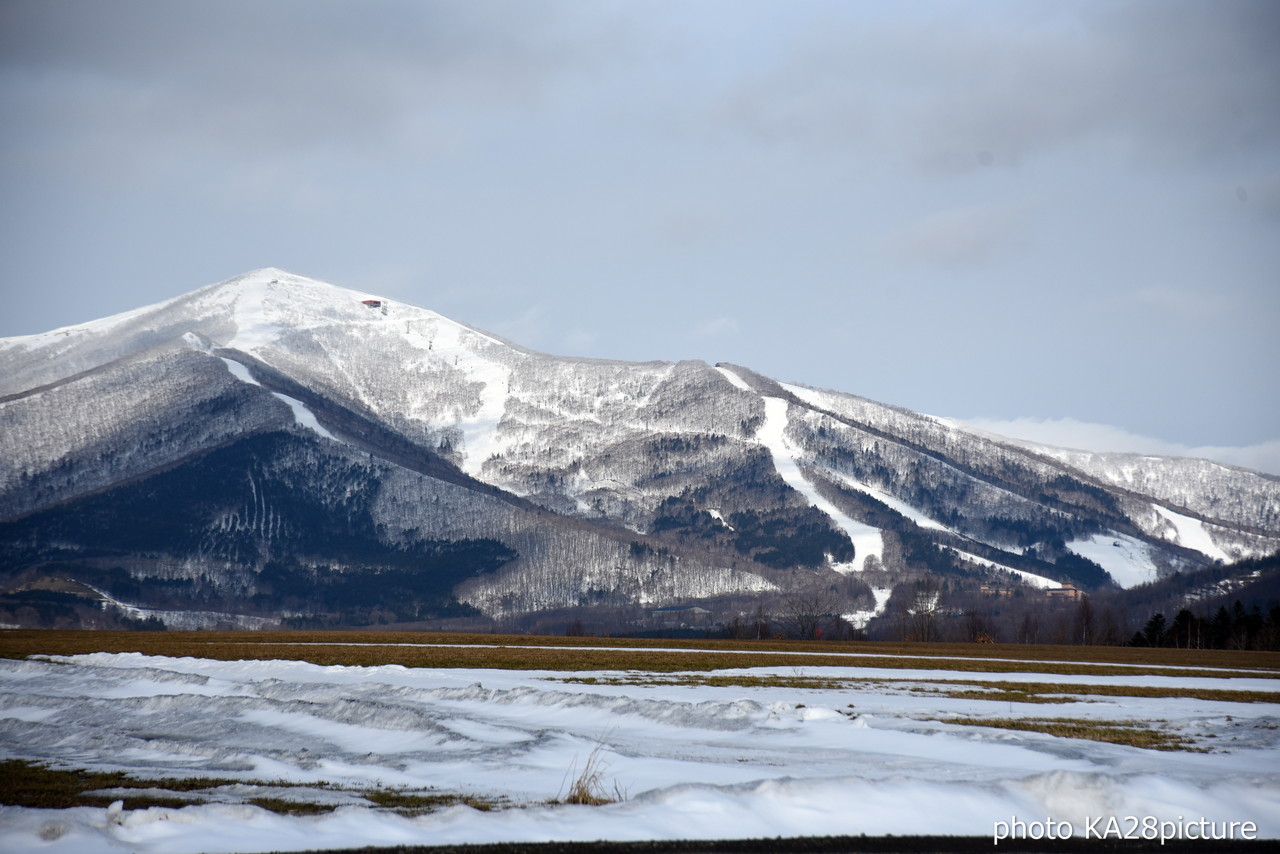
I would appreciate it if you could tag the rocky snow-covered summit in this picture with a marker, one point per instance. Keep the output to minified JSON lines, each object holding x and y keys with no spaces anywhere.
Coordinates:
{"x":274,"y":444}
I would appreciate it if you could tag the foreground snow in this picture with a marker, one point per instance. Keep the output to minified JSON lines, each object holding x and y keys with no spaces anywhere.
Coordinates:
{"x":693,"y":762}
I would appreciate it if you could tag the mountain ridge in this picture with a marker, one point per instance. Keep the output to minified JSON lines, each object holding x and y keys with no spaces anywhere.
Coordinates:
{"x":622,"y":481}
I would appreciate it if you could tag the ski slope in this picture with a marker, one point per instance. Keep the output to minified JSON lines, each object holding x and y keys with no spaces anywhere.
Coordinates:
{"x":1191,"y":533}
{"x":1126,"y":558}
{"x":867,"y":541}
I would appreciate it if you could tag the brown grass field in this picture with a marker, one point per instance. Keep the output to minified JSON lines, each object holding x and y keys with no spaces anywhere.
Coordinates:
{"x":528,"y":652}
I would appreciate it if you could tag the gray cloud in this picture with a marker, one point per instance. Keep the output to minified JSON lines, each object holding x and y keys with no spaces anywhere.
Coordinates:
{"x":154,"y":86}
{"x":1004,"y":82}
{"x":961,"y":237}
{"x":1083,"y":435}
{"x":1091,"y":183}
{"x":717,"y":327}
{"x":114,"y":86}
{"x":1260,"y":197}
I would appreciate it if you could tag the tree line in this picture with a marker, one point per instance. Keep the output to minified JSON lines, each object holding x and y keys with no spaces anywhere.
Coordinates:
{"x":1229,"y":628}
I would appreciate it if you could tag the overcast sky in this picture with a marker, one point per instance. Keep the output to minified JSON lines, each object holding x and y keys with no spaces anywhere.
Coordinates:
{"x":1064,"y":213}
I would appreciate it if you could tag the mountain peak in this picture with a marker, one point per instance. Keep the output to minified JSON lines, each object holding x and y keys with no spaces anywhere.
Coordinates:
{"x":274,"y":278}
{"x":265,"y":304}
{"x":273,"y":420}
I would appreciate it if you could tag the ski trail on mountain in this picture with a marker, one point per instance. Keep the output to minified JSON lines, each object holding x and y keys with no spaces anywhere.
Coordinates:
{"x":734,"y":380}
{"x":1027,"y":577}
{"x":437,"y":340}
{"x":301,"y":414}
{"x":1127,"y":559}
{"x":480,"y":429}
{"x":867,"y":541}
{"x":1192,"y":534}
{"x":859,"y":619}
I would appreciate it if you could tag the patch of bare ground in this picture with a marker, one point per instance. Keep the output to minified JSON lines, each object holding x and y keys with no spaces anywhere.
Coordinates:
{"x":975,"y":689}
{"x":526,"y":652}
{"x":846,"y":845}
{"x":1133,"y":734}
{"x":33,"y":784}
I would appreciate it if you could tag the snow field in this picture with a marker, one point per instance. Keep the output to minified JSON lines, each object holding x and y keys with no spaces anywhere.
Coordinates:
{"x":1192,"y":534}
{"x":691,"y":759}
{"x":1128,"y":559}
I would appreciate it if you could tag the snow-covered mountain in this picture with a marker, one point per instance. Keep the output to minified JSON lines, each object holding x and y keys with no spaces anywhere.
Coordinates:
{"x":274,"y":444}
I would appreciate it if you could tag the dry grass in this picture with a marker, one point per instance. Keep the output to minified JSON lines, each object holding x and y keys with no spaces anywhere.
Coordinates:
{"x":996,"y":692}
{"x":284,"y":806}
{"x":522,"y":652}
{"x":701,"y":680}
{"x":1048,"y":692}
{"x":419,"y":803}
{"x":1004,"y":692}
{"x":588,"y":787}
{"x":26,"y":784}
{"x":1113,"y":732}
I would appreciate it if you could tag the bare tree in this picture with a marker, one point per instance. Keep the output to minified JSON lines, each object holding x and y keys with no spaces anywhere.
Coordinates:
{"x":806,"y":615}
{"x":1029,"y":631}
{"x":1082,"y":627}
{"x":922,"y":612}
{"x":976,"y":627}
{"x":762,"y":627}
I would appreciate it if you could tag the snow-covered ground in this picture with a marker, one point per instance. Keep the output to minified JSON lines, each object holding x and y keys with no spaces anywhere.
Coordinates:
{"x":1126,"y":558}
{"x":1192,"y":534}
{"x":693,"y":761}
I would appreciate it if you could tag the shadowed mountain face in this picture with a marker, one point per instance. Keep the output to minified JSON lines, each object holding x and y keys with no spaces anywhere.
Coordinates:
{"x":275,"y":447}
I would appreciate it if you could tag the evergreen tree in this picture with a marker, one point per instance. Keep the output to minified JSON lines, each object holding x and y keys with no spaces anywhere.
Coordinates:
{"x":1153,"y":632}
